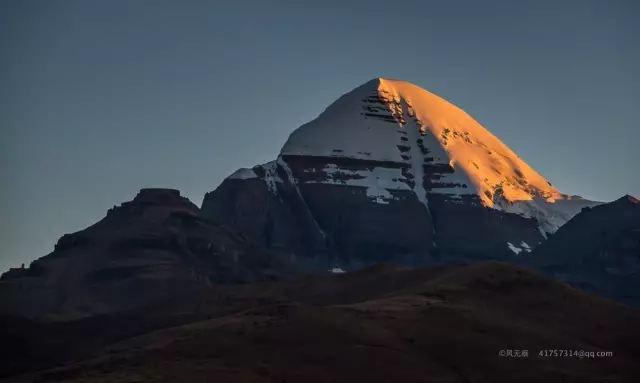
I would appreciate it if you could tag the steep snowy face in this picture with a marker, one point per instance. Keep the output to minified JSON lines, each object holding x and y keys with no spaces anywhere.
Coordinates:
{"x":446,"y":150}
{"x":357,"y":126}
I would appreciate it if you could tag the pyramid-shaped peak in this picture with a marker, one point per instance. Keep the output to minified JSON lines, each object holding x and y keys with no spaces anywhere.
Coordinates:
{"x":396,"y":121}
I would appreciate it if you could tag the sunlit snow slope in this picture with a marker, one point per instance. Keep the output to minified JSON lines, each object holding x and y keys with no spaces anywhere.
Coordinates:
{"x":398,"y":122}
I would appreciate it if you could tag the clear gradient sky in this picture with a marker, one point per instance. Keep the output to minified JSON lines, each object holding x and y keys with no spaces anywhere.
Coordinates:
{"x":101,"y":98}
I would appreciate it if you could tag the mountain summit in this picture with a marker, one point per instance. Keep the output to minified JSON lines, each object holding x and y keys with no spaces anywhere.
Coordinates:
{"x":390,"y":168}
{"x":396,"y":121}
{"x":424,"y":129}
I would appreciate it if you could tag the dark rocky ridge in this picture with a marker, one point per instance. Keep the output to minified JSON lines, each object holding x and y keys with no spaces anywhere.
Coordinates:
{"x":598,"y":250}
{"x":281,"y":223}
{"x":334,"y":224}
{"x":145,"y":250}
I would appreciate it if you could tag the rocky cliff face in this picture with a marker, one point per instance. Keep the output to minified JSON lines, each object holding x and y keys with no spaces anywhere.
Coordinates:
{"x":156,"y":246}
{"x":598,"y":251}
{"x":392,"y":172}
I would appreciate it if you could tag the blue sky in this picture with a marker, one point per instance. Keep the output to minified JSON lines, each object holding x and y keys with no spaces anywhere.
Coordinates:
{"x":101,"y":98}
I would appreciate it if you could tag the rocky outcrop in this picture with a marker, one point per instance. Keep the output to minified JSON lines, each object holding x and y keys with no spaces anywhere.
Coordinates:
{"x":325,"y":223}
{"x":598,"y":250}
{"x":268,"y":210}
{"x":154,"y":247}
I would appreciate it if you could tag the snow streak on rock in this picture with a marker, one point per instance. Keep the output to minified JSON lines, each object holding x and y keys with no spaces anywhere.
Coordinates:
{"x":271,"y":176}
{"x":294,"y":184}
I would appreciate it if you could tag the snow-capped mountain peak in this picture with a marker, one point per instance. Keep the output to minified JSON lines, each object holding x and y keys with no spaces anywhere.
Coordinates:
{"x":390,"y":171}
{"x":398,"y":122}
{"x":356,"y":126}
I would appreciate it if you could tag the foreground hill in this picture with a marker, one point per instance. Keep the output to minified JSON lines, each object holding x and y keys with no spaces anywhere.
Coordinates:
{"x":146,"y":250}
{"x":382,"y":324}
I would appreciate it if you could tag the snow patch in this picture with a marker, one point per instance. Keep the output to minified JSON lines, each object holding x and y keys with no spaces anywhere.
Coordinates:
{"x":337,"y":270}
{"x":525,"y":246}
{"x":377,"y":182}
{"x":513,"y":248}
{"x":550,"y":215}
{"x":243,"y":174}
{"x":456,"y":199}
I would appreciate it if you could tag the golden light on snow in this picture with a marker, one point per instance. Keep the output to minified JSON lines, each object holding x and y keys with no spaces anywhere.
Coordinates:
{"x":436,"y":150}
{"x":487,"y":162}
